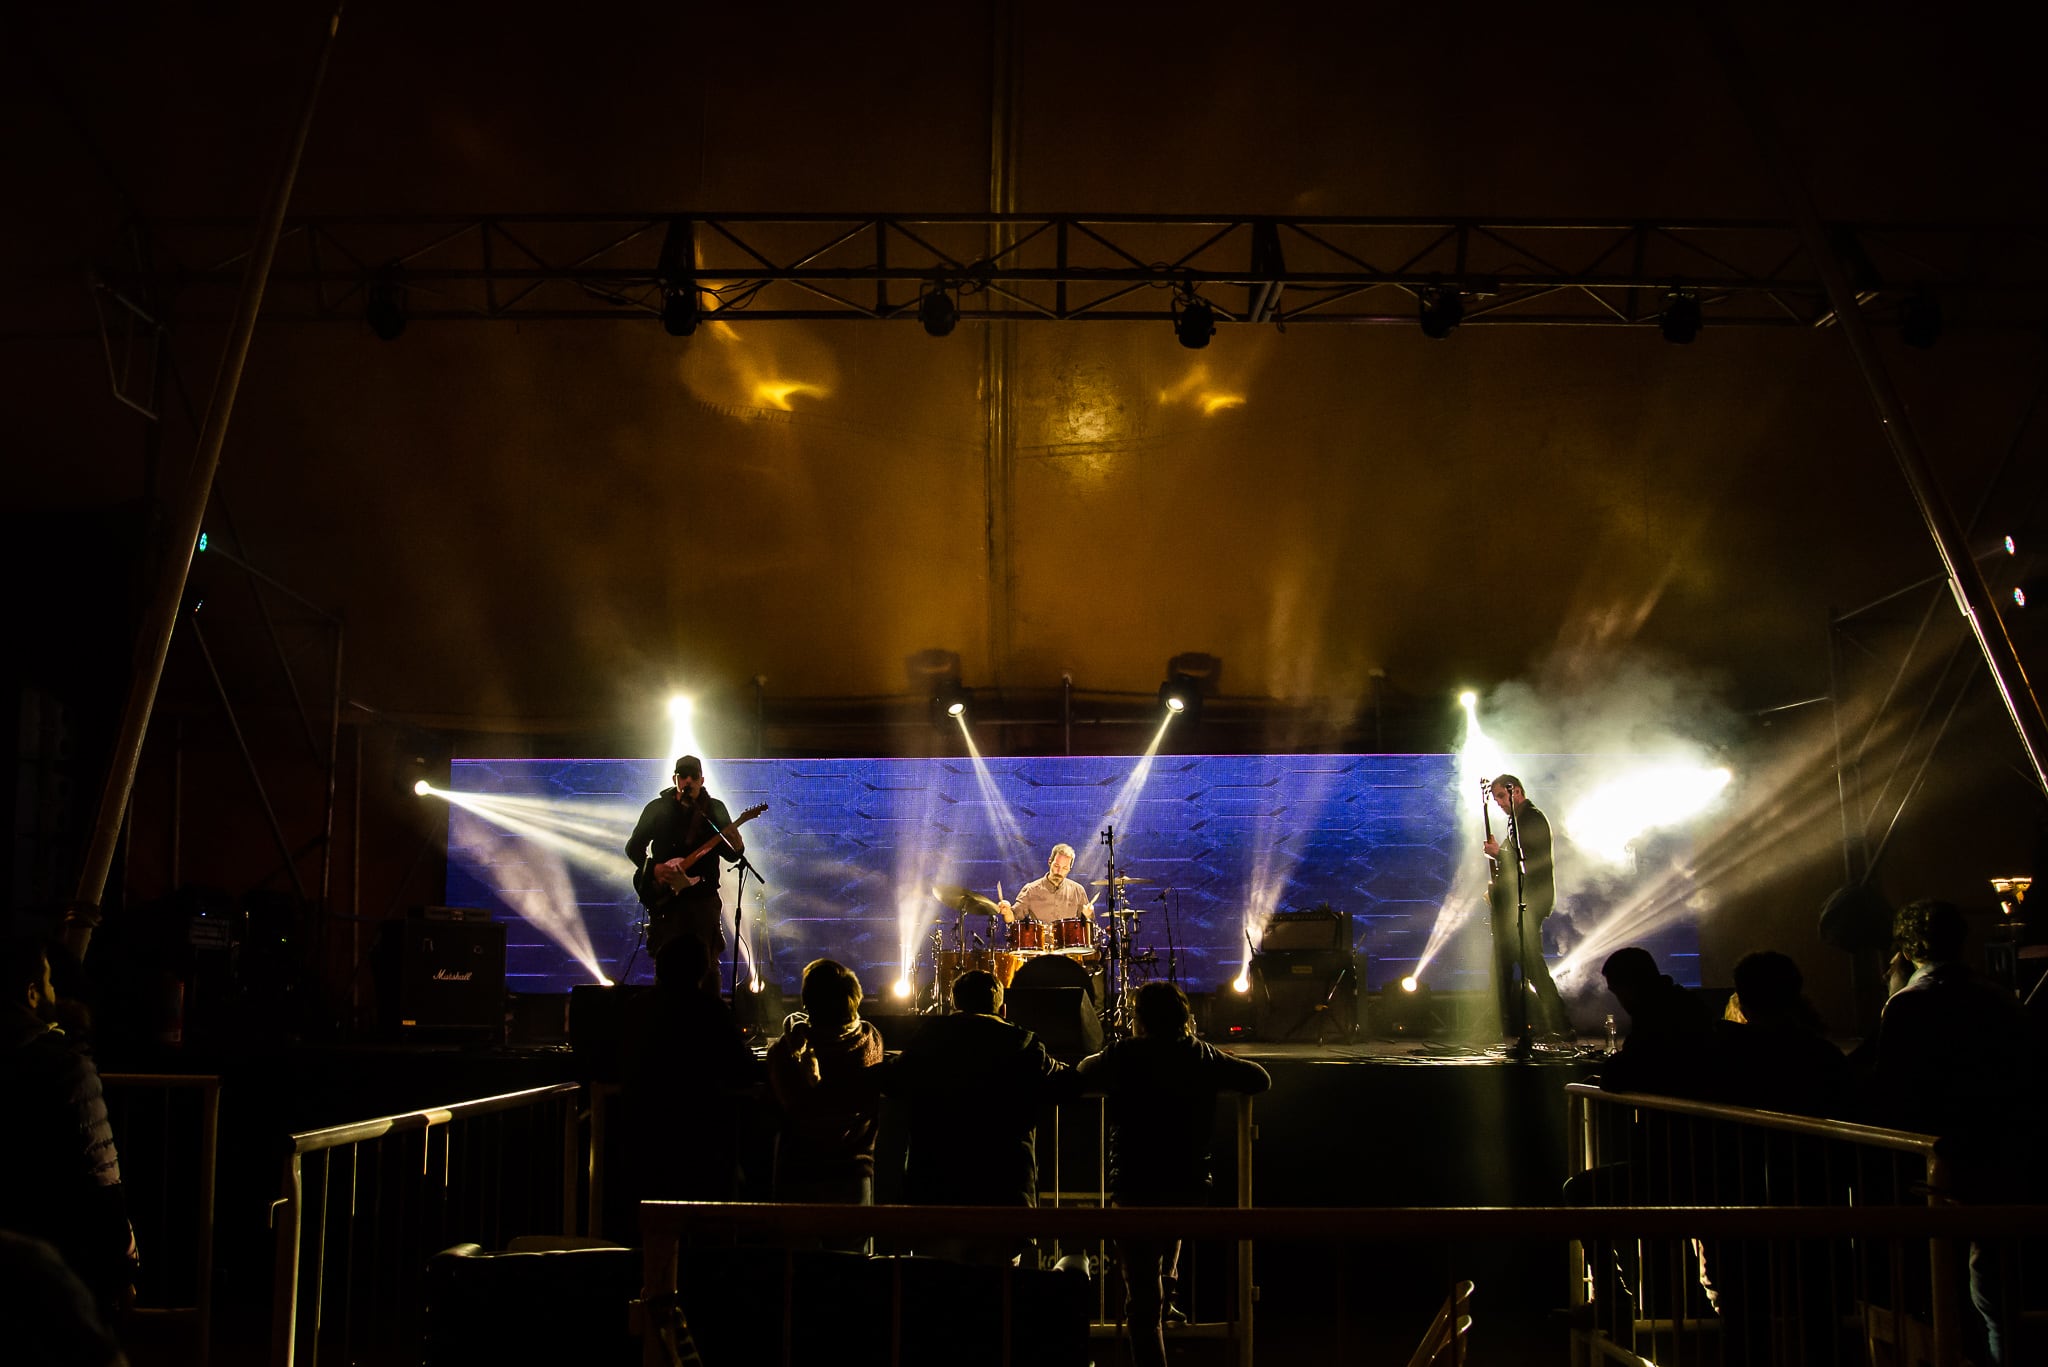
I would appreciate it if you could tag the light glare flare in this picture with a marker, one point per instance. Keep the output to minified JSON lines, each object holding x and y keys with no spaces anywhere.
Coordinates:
{"x":422,"y":788}
{"x":1410,"y":983}
{"x":1241,"y":984}
{"x":902,"y":987}
{"x":1606,"y":821}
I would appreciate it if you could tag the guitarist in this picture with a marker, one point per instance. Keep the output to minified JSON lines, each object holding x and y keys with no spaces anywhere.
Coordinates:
{"x":679,"y":899}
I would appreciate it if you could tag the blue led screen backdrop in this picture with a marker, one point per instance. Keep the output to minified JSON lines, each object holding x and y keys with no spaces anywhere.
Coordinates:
{"x":851,"y":848}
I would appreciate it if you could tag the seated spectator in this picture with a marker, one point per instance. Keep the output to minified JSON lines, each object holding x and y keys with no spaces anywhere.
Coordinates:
{"x":825,"y":1148}
{"x":60,"y":1176}
{"x":686,"y":1068}
{"x":1772,"y":1055}
{"x":974,"y":1085}
{"x":1665,"y":1050}
{"x":1160,"y":1088}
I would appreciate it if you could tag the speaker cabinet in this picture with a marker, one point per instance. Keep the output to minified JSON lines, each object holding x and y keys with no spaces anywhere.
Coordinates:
{"x":1305,"y":995}
{"x":451,"y":976}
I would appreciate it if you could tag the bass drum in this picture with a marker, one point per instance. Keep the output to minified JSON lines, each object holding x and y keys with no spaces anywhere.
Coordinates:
{"x":1054,"y":970}
{"x":952,"y":963}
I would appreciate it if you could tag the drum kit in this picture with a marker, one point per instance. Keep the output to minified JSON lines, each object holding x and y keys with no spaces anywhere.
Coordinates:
{"x":1104,"y":954}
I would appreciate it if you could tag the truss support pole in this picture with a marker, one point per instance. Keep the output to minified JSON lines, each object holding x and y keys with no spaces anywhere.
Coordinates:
{"x":999,"y":346}
{"x":153,"y":637}
{"x":2022,"y":705}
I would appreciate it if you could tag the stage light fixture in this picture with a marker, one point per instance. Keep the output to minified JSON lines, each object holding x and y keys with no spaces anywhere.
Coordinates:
{"x":1468,"y":700}
{"x":1241,"y":984}
{"x":937,"y":311}
{"x":1181,"y":695}
{"x":422,"y":788}
{"x":1410,"y":983}
{"x":678,"y":708}
{"x":956,"y":708}
{"x":1194,"y":321}
{"x":1920,"y":320}
{"x":676,"y":273}
{"x":1440,"y":311}
{"x":202,"y":543}
{"x":2011,"y":546}
{"x":1680,"y":321}
{"x":384,"y":302}
{"x":901,"y":989}
{"x":679,"y":314}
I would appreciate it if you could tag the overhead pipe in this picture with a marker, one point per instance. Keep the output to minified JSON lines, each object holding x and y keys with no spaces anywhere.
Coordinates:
{"x":153,"y":635}
{"x":1966,"y":582}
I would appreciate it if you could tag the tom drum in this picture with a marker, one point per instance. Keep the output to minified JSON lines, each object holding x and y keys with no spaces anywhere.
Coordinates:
{"x":1075,"y":932}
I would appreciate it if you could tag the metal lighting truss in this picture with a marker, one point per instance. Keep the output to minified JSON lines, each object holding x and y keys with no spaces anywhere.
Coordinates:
{"x":744,"y":267}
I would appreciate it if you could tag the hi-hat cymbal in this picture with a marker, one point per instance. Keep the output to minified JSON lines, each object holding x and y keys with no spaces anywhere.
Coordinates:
{"x":1120,"y":880}
{"x":964,"y":899}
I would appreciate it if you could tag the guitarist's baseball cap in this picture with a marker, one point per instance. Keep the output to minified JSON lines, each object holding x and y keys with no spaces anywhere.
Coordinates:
{"x":689,"y":766}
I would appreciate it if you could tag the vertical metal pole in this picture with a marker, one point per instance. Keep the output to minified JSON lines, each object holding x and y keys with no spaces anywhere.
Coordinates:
{"x":1067,"y":714}
{"x":1247,"y":1289}
{"x":570,"y":1132}
{"x":600,"y":1107}
{"x":177,"y":803}
{"x":284,"y":1287}
{"x":1944,"y":1307}
{"x":333,"y":768}
{"x":153,"y":638}
{"x":999,"y":344}
{"x":209,"y":1156}
{"x":1967,"y":583}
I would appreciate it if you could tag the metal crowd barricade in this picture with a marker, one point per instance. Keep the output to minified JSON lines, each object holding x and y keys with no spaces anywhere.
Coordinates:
{"x":365,"y":1205}
{"x":1087,"y":1115}
{"x":167,"y":1130}
{"x":1789,"y":1295}
{"x":668,"y":1339}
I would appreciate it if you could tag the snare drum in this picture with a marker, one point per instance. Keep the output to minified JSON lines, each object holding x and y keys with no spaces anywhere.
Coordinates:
{"x":1075,"y":932}
{"x":1027,"y":935}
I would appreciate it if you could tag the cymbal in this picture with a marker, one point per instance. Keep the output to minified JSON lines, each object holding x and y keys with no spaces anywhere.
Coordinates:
{"x":964,"y":899}
{"x":1120,"y":880}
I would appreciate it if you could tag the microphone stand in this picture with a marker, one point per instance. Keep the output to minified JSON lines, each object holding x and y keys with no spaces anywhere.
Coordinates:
{"x":1524,"y":1047}
{"x":743,"y":866}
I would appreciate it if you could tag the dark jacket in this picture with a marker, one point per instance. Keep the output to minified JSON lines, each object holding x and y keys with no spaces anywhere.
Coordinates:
{"x":686,"y":1068}
{"x":1666,"y":1050}
{"x":1160,"y":1095}
{"x":60,"y":1177}
{"x":974,"y":1086}
{"x":1778,"y":1068}
{"x":828,"y":1123}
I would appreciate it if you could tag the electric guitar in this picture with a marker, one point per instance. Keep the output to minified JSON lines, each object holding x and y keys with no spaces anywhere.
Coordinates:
{"x":655,"y":886}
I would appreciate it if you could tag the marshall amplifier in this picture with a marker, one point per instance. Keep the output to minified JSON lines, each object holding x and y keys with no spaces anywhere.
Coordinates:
{"x":451,"y":975}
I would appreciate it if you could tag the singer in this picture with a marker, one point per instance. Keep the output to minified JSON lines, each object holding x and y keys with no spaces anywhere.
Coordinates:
{"x":1523,"y":892}
{"x":675,"y":849}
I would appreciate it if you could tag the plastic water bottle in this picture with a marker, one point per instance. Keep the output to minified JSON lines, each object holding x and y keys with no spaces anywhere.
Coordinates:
{"x":1613,"y":1037}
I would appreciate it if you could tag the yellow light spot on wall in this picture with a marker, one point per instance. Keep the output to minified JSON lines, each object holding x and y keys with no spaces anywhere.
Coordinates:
{"x":1212,"y":404}
{"x":778,"y":393}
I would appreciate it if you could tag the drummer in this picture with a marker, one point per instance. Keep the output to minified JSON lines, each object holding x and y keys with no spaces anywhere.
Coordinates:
{"x":1054,"y":897}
